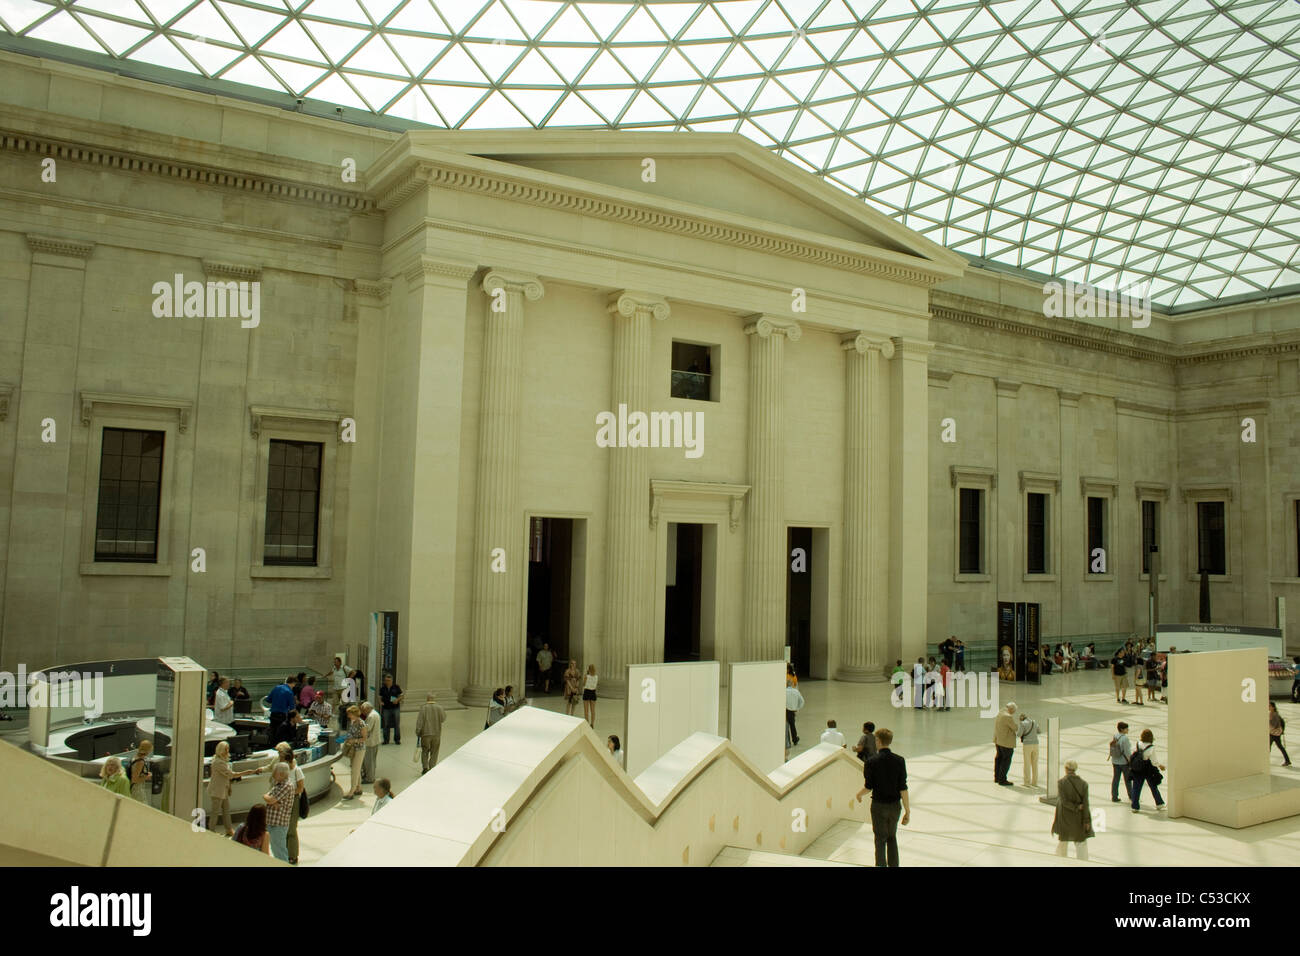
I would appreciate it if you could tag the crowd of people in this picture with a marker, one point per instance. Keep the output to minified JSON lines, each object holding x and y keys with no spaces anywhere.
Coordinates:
{"x":271,"y":824}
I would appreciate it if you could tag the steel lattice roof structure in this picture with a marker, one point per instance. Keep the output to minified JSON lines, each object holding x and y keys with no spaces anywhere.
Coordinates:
{"x":1103,"y":141}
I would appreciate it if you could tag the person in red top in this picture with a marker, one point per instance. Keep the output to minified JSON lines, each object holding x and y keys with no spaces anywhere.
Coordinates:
{"x":944,"y":696}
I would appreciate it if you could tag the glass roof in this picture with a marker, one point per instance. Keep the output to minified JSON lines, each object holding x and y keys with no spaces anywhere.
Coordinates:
{"x":1116,"y":143}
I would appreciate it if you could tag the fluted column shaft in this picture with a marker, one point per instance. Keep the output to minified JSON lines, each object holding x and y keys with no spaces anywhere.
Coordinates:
{"x":864,"y":587}
{"x":497,"y":643}
{"x":765,"y":533}
{"x":629,"y":617}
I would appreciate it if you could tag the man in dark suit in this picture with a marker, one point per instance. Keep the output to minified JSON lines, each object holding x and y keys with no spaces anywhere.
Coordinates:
{"x":885,"y":777}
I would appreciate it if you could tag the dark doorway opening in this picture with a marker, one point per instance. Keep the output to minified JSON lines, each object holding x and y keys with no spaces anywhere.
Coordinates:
{"x":683,"y":591}
{"x":799,"y":598}
{"x":550,"y":583}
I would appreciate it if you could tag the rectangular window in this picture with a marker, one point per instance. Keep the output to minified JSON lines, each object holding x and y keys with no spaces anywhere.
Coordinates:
{"x":130,"y":482}
{"x":692,"y":372}
{"x":971,"y":530}
{"x":1097,"y":535}
{"x":1036,"y":543}
{"x":292,"y":502}
{"x":1150,"y":532}
{"x":1212,"y":556}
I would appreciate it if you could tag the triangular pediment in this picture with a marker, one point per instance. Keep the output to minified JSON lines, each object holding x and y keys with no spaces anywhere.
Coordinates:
{"x":707,"y":171}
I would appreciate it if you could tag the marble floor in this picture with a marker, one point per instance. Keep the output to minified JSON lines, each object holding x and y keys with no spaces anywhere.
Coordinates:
{"x":959,"y":816}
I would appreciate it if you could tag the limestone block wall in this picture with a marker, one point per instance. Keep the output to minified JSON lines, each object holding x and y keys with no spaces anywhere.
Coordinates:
{"x":1125,"y":416}
{"x":76,"y":319}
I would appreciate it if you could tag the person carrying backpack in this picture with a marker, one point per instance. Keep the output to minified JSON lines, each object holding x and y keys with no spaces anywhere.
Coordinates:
{"x":1120,"y":750}
{"x":1144,"y":767}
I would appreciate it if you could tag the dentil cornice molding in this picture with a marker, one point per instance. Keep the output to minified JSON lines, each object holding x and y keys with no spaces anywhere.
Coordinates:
{"x":188,"y":171}
{"x":230,"y":270}
{"x":53,"y":246}
{"x":424,"y":267}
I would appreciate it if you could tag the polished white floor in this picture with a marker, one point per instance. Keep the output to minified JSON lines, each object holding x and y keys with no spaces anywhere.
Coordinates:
{"x":959,"y":816}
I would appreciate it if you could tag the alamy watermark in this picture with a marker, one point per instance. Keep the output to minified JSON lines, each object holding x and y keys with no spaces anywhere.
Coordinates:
{"x":68,"y":689}
{"x":968,"y":689}
{"x":653,"y":430}
{"x":1079,"y":300}
{"x":215,"y":300}
{"x":77,"y":909}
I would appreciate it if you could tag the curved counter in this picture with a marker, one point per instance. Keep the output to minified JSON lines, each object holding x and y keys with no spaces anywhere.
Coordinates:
{"x":82,"y":749}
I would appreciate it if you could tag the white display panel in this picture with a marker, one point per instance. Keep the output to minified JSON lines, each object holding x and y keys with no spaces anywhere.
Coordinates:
{"x":666,"y":703}
{"x":1218,"y":637}
{"x":1218,"y":720}
{"x":756,"y":712}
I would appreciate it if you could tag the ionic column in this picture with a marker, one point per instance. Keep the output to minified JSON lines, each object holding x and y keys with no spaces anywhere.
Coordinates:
{"x":865,"y":583}
{"x":765,"y":533}
{"x":629,"y":616}
{"x":496,"y":649}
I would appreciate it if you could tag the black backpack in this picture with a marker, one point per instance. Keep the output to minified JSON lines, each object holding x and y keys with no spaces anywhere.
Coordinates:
{"x":1117,"y":667}
{"x":1138,"y":765}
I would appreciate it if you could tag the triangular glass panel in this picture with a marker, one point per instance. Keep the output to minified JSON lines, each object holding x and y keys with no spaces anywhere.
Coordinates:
{"x":534,"y":15}
{"x":334,"y":89}
{"x":606,"y":17}
{"x":496,"y":112}
{"x":416,"y":52}
{"x":453,"y":103}
{"x":496,"y":23}
{"x":250,"y":72}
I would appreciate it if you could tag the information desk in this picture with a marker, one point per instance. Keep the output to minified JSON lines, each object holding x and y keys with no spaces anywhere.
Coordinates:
{"x":82,"y":749}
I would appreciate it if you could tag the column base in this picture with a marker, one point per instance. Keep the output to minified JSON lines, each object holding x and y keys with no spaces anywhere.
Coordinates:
{"x":611,"y":688}
{"x":476,"y":696}
{"x":446,"y":696}
{"x":860,"y":675}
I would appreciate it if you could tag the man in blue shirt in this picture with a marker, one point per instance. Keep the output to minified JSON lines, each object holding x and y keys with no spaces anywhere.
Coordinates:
{"x":282,"y":700}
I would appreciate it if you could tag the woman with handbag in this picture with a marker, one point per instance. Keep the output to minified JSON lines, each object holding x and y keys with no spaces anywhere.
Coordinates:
{"x":354,"y":748}
{"x":1073,"y":820}
{"x":1146,"y":769}
{"x":140,"y":774}
{"x":1276,"y":728}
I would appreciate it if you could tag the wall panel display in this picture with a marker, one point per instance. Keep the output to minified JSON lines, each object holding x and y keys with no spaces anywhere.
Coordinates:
{"x":666,"y":703}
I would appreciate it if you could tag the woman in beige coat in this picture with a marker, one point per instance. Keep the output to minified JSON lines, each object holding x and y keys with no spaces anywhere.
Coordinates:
{"x":219,"y":787}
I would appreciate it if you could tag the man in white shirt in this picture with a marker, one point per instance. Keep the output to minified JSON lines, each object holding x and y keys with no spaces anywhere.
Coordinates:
{"x":832,"y":736}
{"x":373,"y":740}
{"x":222,"y":706}
{"x":793,"y":704}
{"x":918,"y":683}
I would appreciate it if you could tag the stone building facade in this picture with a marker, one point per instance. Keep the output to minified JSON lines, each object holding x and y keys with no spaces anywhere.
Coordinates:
{"x":438,"y":336}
